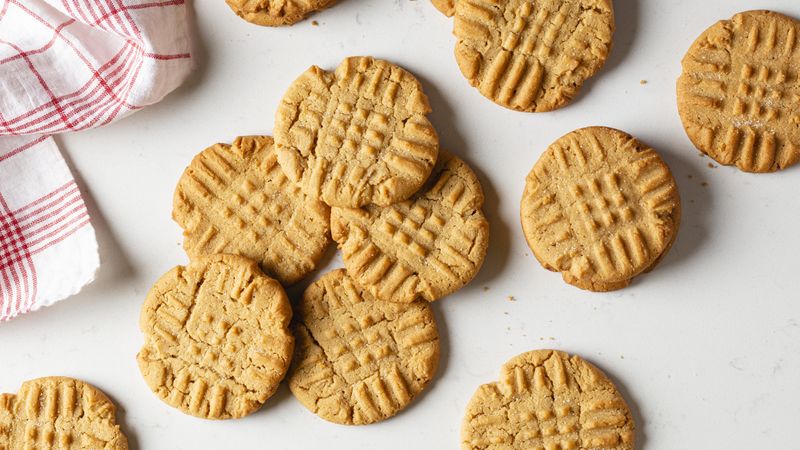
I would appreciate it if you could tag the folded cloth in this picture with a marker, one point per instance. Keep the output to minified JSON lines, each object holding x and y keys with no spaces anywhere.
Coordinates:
{"x":68,"y":65}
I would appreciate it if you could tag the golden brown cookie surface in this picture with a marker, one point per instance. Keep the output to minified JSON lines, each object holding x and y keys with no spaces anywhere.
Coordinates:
{"x":599,"y":207}
{"x":423,"y":248}
{"x":447,"y":7}
{"x":357,"y":136}
{"x":59,"y":412}
{"x":217,"y":339}
{"x":236,"y":199}
{"x":615,"y":286}
{"x":532,"y":55}
{"x":548,"y":399}
{"x":273,"y":13}
{"x":360,"y":360}
{"x":739,"y":91}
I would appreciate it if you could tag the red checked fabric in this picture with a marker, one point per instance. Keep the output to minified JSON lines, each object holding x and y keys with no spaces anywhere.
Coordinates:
{"x":68,"y":65}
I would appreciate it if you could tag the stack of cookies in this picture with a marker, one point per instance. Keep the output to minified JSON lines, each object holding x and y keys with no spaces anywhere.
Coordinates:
{"x":354,"y":158}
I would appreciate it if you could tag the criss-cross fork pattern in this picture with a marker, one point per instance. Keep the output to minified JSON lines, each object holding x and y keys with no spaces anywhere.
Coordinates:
{"x":608,"y":215}
{"x":519,"y":68}
{"x":58,"y":413}
{"x":741,"y":94}
{"x":418,"y":231}
{"x":362,"y":130}
{"x":191,"y":356}
{"x":374,"y":348}
{"x":245,"y":205}
{"x":600,"y":201}
{"x":425,"y":247}
{"x":545,"y":406}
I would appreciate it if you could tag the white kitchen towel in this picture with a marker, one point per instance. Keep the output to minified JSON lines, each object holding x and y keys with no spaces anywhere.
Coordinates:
{"x":68,"y":65}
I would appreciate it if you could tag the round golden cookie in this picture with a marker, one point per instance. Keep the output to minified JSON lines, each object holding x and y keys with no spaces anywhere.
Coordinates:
{"x":360,"y":360}
{"x":217,"y":340}
{"x":447,"y":7}
{"x":532,"y":55}
{"x":357,"y":136}
{"x":59,"y":412}
{"x":423,"y":248}
{"x":600,"y":207}
{"x":739,"y":92}
{"x":235,"y":199}
{"x":273,"y":13}
{"x":547,"y":399}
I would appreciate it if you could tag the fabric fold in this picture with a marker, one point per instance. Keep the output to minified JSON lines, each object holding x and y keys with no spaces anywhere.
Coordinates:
{"x":68,"y":65}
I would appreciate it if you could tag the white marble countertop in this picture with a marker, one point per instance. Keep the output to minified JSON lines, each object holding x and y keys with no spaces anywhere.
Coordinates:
{"x":706,"y":348}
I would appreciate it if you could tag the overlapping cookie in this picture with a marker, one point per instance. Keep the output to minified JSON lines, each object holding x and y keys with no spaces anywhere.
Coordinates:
{"x":273,"y":13}
{"x":360,"y":360}
{"x":532,"y":55}
{"x":235,"y":199}
{"x":548,"y":399}
{"x":423,"y":248}
{"x":447,"y":7}
{"x":59,"y":412}
{"x":739,"y":92}
{"x":217,"y":340}
{"x":600,"y":207}
{"x":357,"y":136}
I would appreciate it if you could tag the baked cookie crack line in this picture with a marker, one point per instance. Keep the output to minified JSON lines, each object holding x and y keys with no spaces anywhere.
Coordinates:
{"x":174,"y":352}
{"x":329,"y":361}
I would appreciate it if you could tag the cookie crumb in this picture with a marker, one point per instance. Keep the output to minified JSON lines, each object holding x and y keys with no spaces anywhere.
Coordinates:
{"x":704,"y":184}
{"x":642,"y":82}
{"x":690,"y":176}
{"x":485,"y":288}
{"x":702,"y":155}
{"x":711,"y":166}
{"x":552,"y":338}
{"x":315,"y":23}
{"x":511,"y":298}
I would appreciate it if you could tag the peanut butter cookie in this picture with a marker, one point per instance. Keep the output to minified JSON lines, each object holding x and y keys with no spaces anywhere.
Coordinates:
{"x":360,"y":360}
{"x":532,"y":55}
{"x":357,"y":136}
{"x":235,"y":199}
{"x":423,"y":248}
{"x":273,"y":13}
{"x":548,"y":399}
{"x":217,"y":340}
{"x":600,"y":207}
{"x":59,"y":412}
{"x":739,"y":92}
